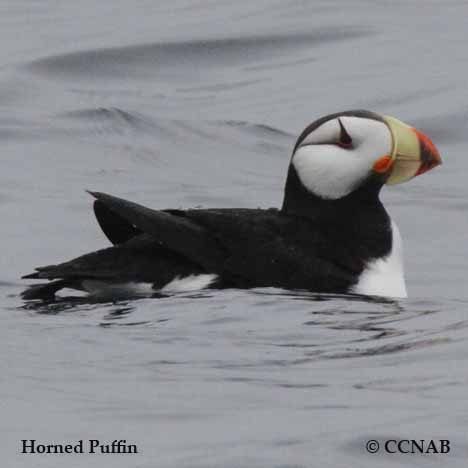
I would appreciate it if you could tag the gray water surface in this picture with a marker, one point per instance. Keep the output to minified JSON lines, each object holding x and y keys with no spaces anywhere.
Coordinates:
{"x":198,"y":103}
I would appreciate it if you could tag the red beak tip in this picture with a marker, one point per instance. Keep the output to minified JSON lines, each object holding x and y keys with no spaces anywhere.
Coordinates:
{"x":430,"y":156}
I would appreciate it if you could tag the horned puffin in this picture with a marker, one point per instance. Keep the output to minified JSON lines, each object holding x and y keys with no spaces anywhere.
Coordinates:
{"x":331,"y":235}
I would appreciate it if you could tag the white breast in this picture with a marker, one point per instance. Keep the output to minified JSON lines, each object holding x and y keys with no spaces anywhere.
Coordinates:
{"x":385,"y":276}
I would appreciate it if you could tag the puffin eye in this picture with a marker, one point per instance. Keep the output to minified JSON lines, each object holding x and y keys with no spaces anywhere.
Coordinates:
{"x":345,"y":140}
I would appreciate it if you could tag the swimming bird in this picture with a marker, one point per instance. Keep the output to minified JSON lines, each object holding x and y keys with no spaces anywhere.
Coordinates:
{"x":331,"y":235}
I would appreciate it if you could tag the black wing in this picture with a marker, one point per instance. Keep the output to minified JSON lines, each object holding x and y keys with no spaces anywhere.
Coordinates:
{"x":267,"y":248}
{"x":174,"y":232}
{"x":245,"y":247}
{"x":116,"y":228}
{"x":140,"y":259}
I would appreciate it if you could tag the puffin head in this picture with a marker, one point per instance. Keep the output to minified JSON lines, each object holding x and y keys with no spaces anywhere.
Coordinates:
{"x":340,"y":154}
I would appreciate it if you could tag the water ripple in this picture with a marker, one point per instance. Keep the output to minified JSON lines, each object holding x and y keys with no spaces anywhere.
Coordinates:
{"x":161,"y":60}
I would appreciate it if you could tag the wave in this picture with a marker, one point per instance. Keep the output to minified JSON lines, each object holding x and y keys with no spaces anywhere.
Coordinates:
{"x":165,"y":60}
{"x":116,"y":119}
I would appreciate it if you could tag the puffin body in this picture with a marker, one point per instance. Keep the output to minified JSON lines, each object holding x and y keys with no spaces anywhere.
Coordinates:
{"x":332,"y":234}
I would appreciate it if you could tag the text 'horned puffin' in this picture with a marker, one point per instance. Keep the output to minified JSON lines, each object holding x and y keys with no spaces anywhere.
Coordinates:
{"x":331,"y":235}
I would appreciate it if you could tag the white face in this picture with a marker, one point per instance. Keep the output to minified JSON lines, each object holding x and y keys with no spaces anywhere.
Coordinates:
{"x":331,"y":166}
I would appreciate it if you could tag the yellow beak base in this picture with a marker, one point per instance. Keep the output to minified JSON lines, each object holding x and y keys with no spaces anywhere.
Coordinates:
{"x":406,"y":152}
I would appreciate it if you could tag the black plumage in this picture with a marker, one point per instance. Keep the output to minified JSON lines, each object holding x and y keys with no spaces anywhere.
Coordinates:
{"x":311,"y":243}
{"x":324,"y":251}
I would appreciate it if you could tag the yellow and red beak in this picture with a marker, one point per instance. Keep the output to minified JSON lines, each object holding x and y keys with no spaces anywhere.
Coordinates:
{"x":413,"y":152}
